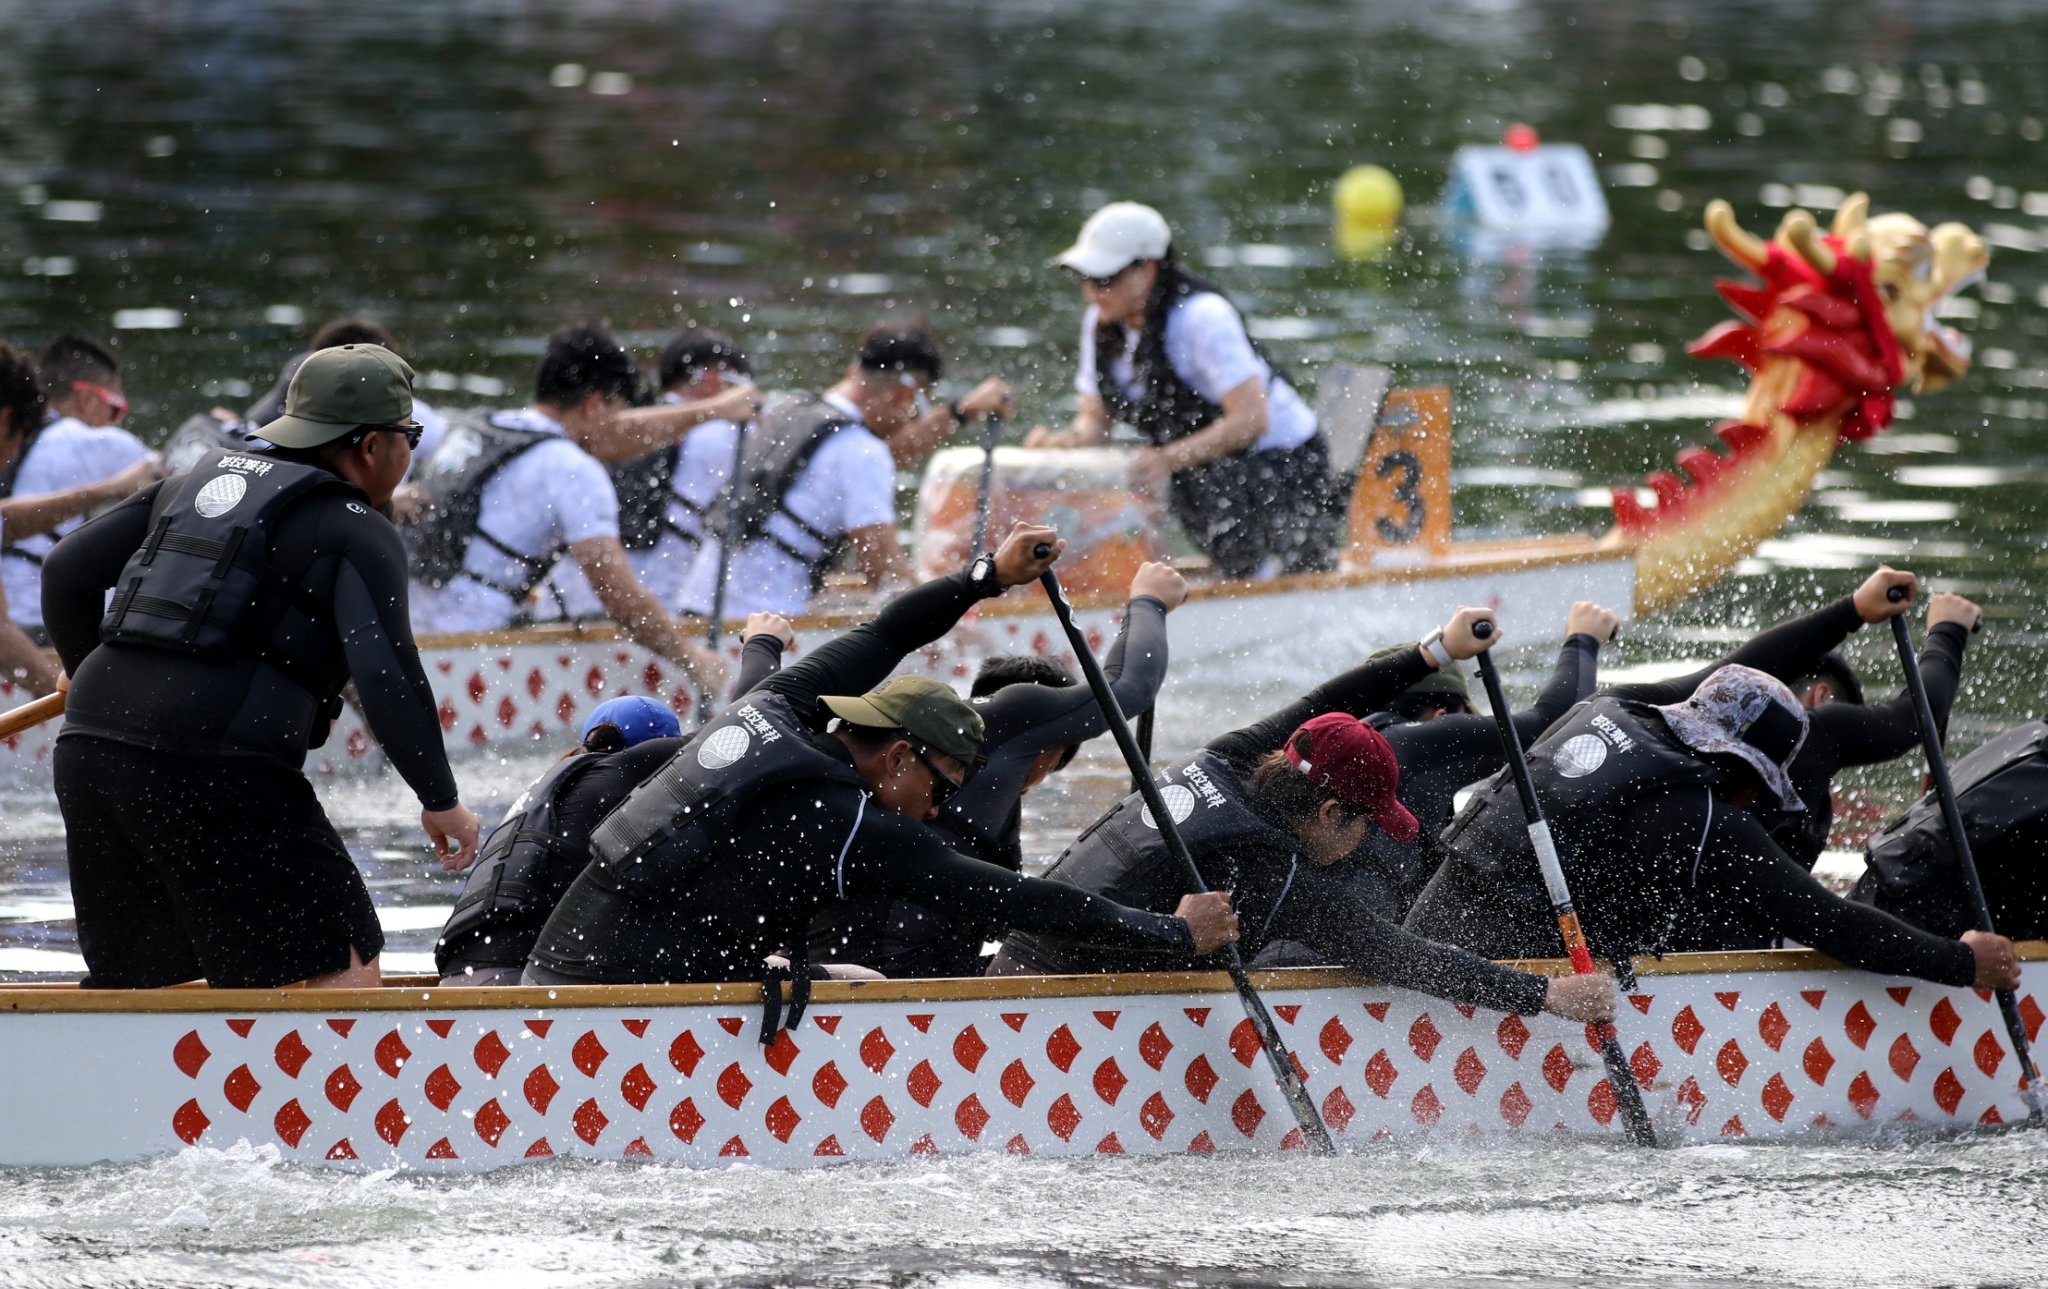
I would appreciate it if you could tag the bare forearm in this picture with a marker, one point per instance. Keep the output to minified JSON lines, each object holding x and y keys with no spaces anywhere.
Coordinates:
{"x":640,"y":615}
{"x":1226,"y":436}
{"x":640,"y":430}
{"x":25,"y":663}
{"x":29,"y":516}
{"x":918,"y":440}
{"x":880,"y":556}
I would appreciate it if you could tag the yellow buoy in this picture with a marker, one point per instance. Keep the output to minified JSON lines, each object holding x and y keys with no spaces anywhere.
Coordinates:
{"x":1368,"y":205}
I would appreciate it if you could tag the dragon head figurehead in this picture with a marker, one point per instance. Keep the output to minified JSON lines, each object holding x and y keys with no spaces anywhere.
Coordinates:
{"x":1837,"y":322}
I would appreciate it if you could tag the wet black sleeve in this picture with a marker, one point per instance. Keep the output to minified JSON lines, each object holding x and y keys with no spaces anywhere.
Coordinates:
{"x":1365,"y":688}
{"x":1577,"y":671}
{"x":1742,"y":871}
{"x":1028,"y":719}
{"x":81,"y":569}
{"x":371,"y":618}
{"x":1324,"y":913}
{"x":760,"y":658}
{"x":1465,"y":746}
{"x":1869,"y":734}
{"x":897,"y":856}
{"x":863,"y":658}
{"x":1787,"y":651}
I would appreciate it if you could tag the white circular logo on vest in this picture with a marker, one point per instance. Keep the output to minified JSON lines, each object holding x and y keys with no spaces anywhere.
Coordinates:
{"x":1180,"y":803}
{"x":1580,"y":756}
{"x":220,"y":496}
{"x":724,"y":747}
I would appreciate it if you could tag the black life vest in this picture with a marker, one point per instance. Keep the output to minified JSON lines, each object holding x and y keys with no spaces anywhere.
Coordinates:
{"x":2002,"y":793}
{"x":790,"y":430}
{"x":648,"y":499}
{"x":454,"y":479}
{"x":507,"y":894}
{"x":1124,"y":857}
{"x":1589,"y":768}
{"x":652,"y":845}
{"x":202,"y":583}
{"x":1169,"y":407}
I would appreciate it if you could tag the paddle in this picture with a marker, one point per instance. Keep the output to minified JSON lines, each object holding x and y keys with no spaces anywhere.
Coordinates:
{"x":730,"y":538}
{"x":1959,"y":842}
{"x":991,"y":430}
{"x":1277,"y":1055}
{"x":1145,"y":746}
{"x":31,"y":714}
{"x":1627,"y":1096}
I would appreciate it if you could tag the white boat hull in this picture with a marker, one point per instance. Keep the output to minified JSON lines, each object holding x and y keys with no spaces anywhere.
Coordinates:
{"x":511,"y":689}
{"x":1762,"y":1046}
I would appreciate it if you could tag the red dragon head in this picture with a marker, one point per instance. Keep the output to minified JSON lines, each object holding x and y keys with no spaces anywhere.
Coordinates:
{"x":1838,"y":323}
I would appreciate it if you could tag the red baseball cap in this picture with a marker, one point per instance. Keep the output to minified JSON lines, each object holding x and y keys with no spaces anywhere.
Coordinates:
{"x":1353,"y":761}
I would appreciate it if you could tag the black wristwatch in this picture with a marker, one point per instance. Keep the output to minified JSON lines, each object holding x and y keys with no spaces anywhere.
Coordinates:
{"x":981,"y":575}
{"x":953,"y":406}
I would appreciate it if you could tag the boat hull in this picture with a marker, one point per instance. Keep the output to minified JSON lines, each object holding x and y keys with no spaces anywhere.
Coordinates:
{"x":1765,"y":1046}
{"x":503,"y":690}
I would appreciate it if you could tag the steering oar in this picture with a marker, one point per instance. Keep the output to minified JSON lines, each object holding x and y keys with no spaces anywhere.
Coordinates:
{"x":1277,"y":1055}
{"x":1627,"y":1096}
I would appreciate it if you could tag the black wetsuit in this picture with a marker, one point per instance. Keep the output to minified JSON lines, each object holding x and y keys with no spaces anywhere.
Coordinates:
{"x":984,"y":819}
{"x":1675,"y":863}
{"x":1839,"y":734}
{"x":196,"y":845}
{"x":1442,"y":756}
{"x":1280,"y":896}
{"x":798,"y":846}
{"x":507,"y":939}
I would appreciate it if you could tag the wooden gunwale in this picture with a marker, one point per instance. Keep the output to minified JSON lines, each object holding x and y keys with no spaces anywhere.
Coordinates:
{"x":423,"y":993}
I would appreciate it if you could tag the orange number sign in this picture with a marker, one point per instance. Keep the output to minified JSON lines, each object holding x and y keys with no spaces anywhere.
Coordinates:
{"x":1403,"y":494}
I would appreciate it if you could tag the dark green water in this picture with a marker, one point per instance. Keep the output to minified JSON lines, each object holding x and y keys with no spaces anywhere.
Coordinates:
{"x":792,"y":171}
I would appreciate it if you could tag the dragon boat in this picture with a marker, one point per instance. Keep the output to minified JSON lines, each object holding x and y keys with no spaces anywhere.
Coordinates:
{"x":1749,"y":1046}
{"x":1836,"y":323}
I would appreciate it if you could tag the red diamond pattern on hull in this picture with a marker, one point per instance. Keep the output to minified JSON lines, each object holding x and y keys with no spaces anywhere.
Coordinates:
{"x":1067,"y":1075}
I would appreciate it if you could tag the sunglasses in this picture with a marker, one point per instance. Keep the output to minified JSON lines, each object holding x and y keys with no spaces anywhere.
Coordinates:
{"x":412,"y":430}
{"x":117,"y":404}
{"x":944,"y":786}
{"x":1104,"y":283}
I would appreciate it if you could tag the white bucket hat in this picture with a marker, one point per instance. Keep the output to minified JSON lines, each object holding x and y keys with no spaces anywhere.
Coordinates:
{"x":1740,"y":711}
{"x":1116,"y":237}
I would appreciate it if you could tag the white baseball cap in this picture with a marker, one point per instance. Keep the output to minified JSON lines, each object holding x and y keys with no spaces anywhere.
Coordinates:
{"x":1116,"y":237}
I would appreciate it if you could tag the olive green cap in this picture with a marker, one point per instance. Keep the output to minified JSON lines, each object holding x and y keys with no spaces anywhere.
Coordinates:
{"x":335,"y":390}
{"x":1448,"y":680}
{"x":919,"y":706}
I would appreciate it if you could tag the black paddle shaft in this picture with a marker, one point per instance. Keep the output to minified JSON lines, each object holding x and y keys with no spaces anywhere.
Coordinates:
{"x":1959,"y":843}
{"x":731,"y":536}
{"x":1277,"y":1055}
{"x":991,"y":430}
{"x":1628,"y":1097}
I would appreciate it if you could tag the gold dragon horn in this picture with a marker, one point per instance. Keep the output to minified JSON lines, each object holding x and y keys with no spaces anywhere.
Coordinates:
{"x":1852,"y":226}
{"x":1735,"y":241}
{"x":1798,"y":232}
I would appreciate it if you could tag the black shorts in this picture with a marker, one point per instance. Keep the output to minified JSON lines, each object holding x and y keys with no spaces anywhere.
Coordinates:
{"x":1257,"y":506}
{"x":194,"y":866}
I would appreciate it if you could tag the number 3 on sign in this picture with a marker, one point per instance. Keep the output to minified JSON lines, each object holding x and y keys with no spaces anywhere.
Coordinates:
{"x":1403,"y":495}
